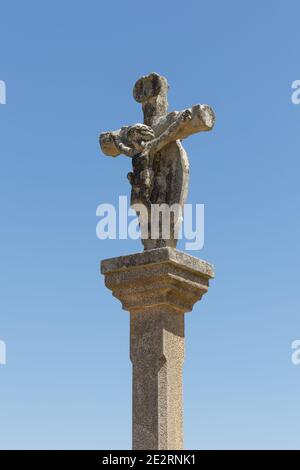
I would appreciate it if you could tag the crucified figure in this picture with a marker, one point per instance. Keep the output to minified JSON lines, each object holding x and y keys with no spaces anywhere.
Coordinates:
{"x":160,"y":164}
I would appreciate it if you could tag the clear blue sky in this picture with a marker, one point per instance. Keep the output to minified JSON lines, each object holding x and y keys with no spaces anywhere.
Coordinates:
{"x":69,"y":68}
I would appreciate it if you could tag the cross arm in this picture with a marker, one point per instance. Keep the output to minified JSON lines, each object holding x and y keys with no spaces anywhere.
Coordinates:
{"x":112,"y":143}
{"x":178,"y":125}
{"x":129,"y":140}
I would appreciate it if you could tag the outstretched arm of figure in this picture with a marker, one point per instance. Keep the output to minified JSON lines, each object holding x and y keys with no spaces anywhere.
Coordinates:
{"x":170,"y":134}
{"x":129,"y":140}
{"x":122,"y":148}
{"x":180,"y":125}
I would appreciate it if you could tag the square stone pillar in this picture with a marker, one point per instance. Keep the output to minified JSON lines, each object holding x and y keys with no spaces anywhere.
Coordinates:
{"x":157,"y":287}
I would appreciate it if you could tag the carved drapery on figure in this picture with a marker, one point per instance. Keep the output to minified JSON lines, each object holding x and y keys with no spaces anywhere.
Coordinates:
{"x":160,"y":168}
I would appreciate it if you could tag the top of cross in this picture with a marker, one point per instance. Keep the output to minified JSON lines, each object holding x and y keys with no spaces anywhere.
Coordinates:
{"x":151,"y":91}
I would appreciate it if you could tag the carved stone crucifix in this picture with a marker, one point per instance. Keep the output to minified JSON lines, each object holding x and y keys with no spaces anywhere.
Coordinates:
{"x":161,"y":284}
{"x":160,"y":163}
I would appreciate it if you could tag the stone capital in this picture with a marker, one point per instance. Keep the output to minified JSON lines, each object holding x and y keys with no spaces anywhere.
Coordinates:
{"x":162,"y":279}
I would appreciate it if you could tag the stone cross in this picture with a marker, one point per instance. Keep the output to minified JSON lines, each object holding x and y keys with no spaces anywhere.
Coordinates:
{"x":160,"y":164}
{"x":157,"y":286}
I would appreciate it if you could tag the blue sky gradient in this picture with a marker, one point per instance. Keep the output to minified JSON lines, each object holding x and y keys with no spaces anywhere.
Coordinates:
{"x":69,"y":69}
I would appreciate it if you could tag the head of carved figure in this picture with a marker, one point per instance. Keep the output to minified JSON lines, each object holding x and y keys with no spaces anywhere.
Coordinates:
{"x":139,"y":134}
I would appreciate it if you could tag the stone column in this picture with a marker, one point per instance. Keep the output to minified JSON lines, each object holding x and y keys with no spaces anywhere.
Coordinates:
{"x":157,"y":287}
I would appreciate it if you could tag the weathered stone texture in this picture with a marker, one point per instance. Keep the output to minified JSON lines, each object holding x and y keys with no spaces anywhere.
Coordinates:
{"x":161,"y":284}
{"x":160,"y":167}
{"x":157,"y":287}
